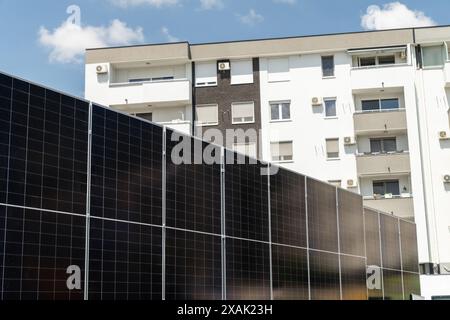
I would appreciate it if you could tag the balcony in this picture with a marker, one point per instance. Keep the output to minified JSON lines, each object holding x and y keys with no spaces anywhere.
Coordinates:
{"x":383,"y":164}
{"x":402,"y":206}
{"x":156,"y":93}
{"x":397,"y":75}
{"x":380,"y":122}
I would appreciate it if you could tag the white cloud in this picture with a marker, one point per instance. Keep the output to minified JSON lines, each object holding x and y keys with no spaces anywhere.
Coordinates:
{"x":211,"y":4}
{"x":394,"y":15}
{"x":68,"y":42}
{"x":285,"y":1}
{"x":251,"y":18}
{"x":153,"y":3}
{"x":170,"y":38}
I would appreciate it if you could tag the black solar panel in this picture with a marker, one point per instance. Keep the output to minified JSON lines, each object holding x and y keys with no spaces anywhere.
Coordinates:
{"x":322,"y":216}
{"x":126,"y":168}
{"x":393,"y":286}
{"x":248,"y":270}
{"x":372,"y":229}
{"x":351,"y":223}
{"x":324,"y":275}
{"x":409,"y":246}
{"x":39,"y":249}
{"x":390,"y":242}
{"x":124,"y":261}
{"x":193,"y":266}
{"x":290,"y":273}
{"x":193,"y":188}
{"x":246,"y":200}
{"x":353,"y":271}
{"x":411,"y":283}
{"x":288,"y":208}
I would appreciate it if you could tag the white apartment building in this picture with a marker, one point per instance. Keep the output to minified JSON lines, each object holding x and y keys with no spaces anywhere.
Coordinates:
{"x":367,"y":111}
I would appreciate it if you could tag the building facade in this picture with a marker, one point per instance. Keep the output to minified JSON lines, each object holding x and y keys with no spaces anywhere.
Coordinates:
{"x":365,"y":111}
{"x":94,"y":205}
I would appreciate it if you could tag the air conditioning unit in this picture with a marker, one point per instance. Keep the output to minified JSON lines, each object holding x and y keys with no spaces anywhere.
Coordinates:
{"x":351,"y":183}
{"x":101,"y":69}
{"x":447,"y":178}
{"x":316,"y":101}
{"x":388,"y":196}
{"x":349,"y":141}
{"x":443,"y":135}
{"x":224,"y":66}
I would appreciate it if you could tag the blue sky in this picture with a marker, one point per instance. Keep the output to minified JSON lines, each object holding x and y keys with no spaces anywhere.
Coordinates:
{"x":37,"y":46}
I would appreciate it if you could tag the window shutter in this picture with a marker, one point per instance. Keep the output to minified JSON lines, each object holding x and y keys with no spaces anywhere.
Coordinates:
{"x":207,"y":114}
{"x":333,"y":146}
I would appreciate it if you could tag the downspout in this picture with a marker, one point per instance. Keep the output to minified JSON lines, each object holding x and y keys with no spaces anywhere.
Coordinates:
{"x":194,"y":100}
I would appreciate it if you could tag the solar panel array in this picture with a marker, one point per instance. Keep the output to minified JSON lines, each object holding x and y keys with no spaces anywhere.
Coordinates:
{"x":94,"y":205}
{"x":391,"y":247}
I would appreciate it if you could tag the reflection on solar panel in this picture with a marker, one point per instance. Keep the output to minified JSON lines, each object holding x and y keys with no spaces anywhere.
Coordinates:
{"x":90,"y":195}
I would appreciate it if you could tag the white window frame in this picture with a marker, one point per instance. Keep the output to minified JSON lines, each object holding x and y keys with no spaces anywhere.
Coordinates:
{"x":339,"y":149}
{"x":280,"y":110}
{"x":281,"y":142}
{"x":242,"y":78}
{"x":206,"y":83}
{"x":208,"y":124}
{"x":325,"y":107}
{"x":247,"y":145}
{"x":334,"y":66}
{"x":233,"y":104}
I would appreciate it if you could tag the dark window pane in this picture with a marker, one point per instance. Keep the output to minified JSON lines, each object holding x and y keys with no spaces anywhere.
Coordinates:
{"x":375,"y":145}
{"x":274,"y":111}
{"x":393,"y":187}
{"x":368,"y":105}
{"x":387,"y":104}
{"x":286,"y":111}
{"x":386,"y":60}
{"x":328,"y":66}
{"x":379,"y":188}
{"x":330,"y":108}
{"x":366,"y":62}
{"x":390,"y":145}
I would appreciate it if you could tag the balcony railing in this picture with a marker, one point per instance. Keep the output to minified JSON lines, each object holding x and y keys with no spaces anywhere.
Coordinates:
{"x":400,"y":206}
{"x":383,"y":164}
{"x":150,"y":92}
{"x":387,"y":76}
{"x":380,"y":121}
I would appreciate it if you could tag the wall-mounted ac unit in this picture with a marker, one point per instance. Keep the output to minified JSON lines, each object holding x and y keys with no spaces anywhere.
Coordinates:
{"x":447,"y":178}
{"x":443,"y":135}
{"x":101,"y":69}
{"x":388,"y":196}
{"x":316,"y":101}
{"x":349,"y":140}
{"x":352,"y":183}
{"x":224,"y":66}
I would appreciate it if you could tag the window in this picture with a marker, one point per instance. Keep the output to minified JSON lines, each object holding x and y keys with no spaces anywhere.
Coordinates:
{"x":433,"y":56}
{"x":278,"y":69}
{"x":381,"y":104}
{"x":242,"y":71}
{"x":383,"y":145}
{"x":332,"y":148}
{"x":330,"y":108}
{"x":336,"y":183}
{"x":280,"y":111}
{"x":205,"y":74}
{"x":249,"y":149}
{"x":386,"y":187}
{"x":207,"y":115}
{"x":376,"y":60}
{"x":328,"y":66}
{"x":243,"y":112}
{"x":146,"y":116}
{"x":366,"y":62}
{"x":282,"y":151}
{"x":385,"y":60}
